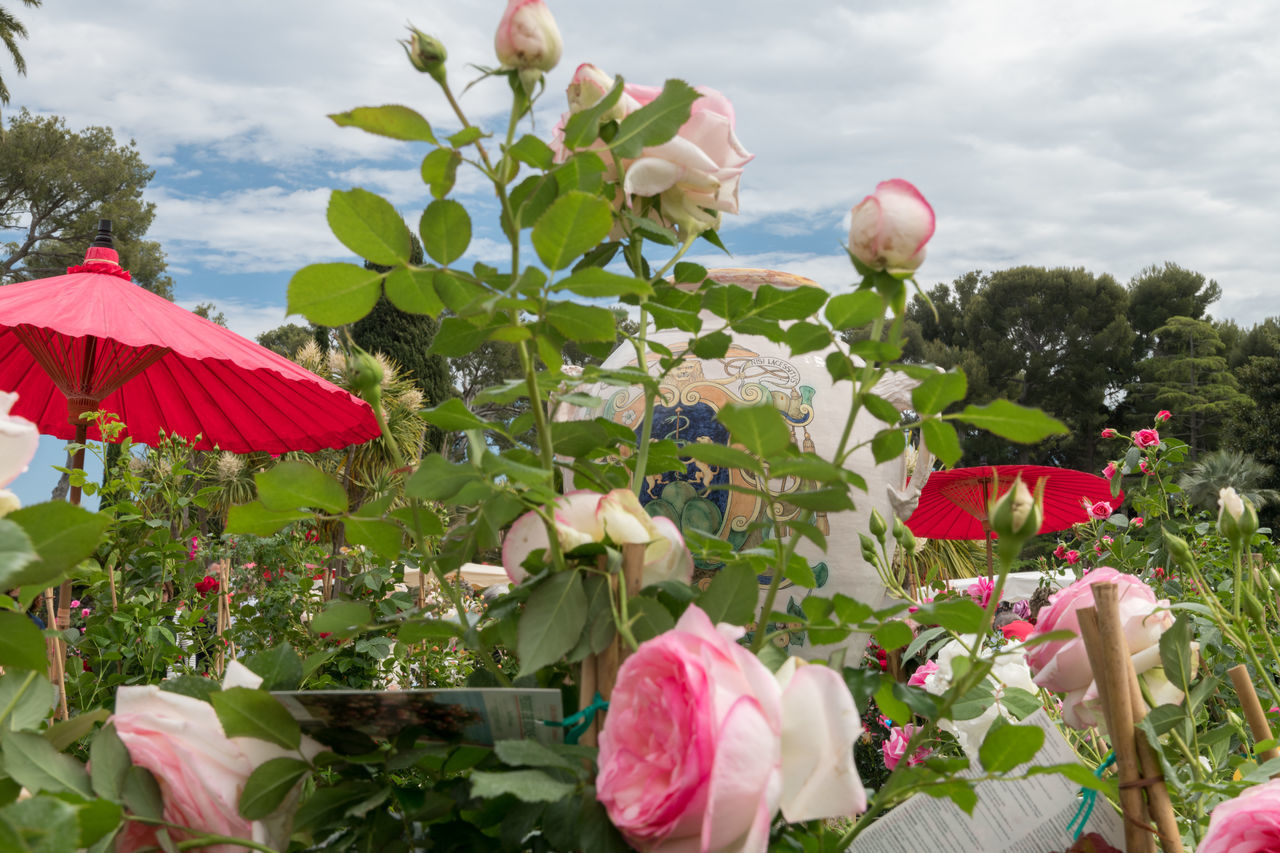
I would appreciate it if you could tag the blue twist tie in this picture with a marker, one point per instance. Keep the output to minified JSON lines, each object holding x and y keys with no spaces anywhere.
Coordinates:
{"x":577,"y":724}
{"x":1088,"y":797}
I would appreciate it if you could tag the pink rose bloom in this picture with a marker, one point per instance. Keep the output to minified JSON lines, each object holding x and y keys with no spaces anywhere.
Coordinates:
{"x":1062,"y":666}
{"x":1137,"y":521}
{"x":1110,"y":471}
{"x":1248,"y":824}
{"x":890,"y":227}
{"x":528,"y":37}
{"x":1163,"y":415}
{"x":200,"y":770}
{"x":1073,"y":557}
{"x":922,"y":672}
{"x":702,"y":744}
{"x":1146,"y":438}
{"x":84,"y":613}
{"x":896,"y":744}
{"x":583,"y":517}
{"x":695,"y":175}
{"x":981,"y":591}
{"x":1061,"y":551}
{"x":1109,"y":433}
{"x":1100,"y":510}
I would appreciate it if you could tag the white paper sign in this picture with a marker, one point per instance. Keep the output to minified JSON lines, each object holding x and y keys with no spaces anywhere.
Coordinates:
{"x":1026,"y":816}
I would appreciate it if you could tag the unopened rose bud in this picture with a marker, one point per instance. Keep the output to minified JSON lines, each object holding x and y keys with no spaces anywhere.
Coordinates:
{"x":1017,"y":514}
{"x":1179,"y":550}
{"x":588,"y":86}
{"x":1237,"y":519}
{"x":906,"y":539}
{"x":8,"y":502}
{"x":877,"y":526}
{"x":1253,"y":607}
{"x":528,"y":37}
{"x":426,"y":53}
{"x":364,"y":373}
{"x":868,"y":548}
{"x":889,"y":228}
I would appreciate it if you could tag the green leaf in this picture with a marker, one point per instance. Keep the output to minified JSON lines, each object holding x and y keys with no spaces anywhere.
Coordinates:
{"x":109,"y":761}
{"x":64,"y":535}
{"x":583,"y":127}
{"x":1007,"y":746}
{"x":438,"y":479}
{"x":141,"y":793}
{"x":384,"y":538}
{"x":98,"y":820}
{"x":39,"y":825}
{"x":888,"y":444}
{"x":593,"y":283}
{"x":1011,"y":421}
{"x":453,"y":415}
{"x":256,"y":520}
{"x":957,"y":614}
{"x":529,"y":753}
{"x":62,"y":735}
{"x":1175,"y":654}
{"x":787,"y":303}
{"x":369,"y":225}
{"x":342,"y":618}
{"x":532,"y":150}
{"x":582,"y":322}
{"x":893,"y":635}
{"x":279,"y":666}
{"x":940,"y":437}
{"x":854,"y":310}
{"x":1021,"y":703}
{"x":268,"y":785}
{"x":530,"y":786}
{"x":466,"y":136}
{"x":583,"y":171}
{"x":656,"y":122}
{"x":711,"y":346}
{"x":553,"y":620}
{"x":576,"y":222}
{"x":890,"y":705}
{"x":456,"y":338}
{"x":446,"y":230}
{"x":805,"y":337}
{"x":937,"y":392}
{"x":758,"y":428}
{"x":297,"y":485}
{"x":191,"y":685}
{"x":440,"y":171}
{"x":29,"y":695}
{"x":720,"y":455}
{"x":413,"y":291}
{"x":257,"y":714}
{"x":648,"y":618}
{"x":16,"y":550}
{"x":33,"y":763}
{"x":334,"y":294}
{"x":391,"y":120}
{"x":21,"y":643}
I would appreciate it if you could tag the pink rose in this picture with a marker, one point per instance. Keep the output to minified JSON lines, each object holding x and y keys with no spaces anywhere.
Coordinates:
{"x":1110,"y":471}
{"x":1137,"y":521}
{"x":200,"y":770}
{"x":702,"y":744}
{"x":19,"y":439}
{"x":1073,"y":556}
{"x":895,"y":745}
{"x":1062,"y":666}
{"x":695,"y":175}
{"x":890,"y":227}
{"x":1060,"y":552}
{"x":584,"y":517}
{"x":1146,"y":438}
{"x":1163,"y":415}
{"x":1109,"y":433}
{"x":1250,"y":822}
{"x":1100,"y":510}
{"x":84,"y":613}
{"x":922,"y":672}
{"x":528,"y":37}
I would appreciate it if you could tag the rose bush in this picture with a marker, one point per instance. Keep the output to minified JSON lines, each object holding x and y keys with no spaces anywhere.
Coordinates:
{"x":890,"y":227}
{"x":702,"y":744}
{"x":201,"y":771}
{"x":1062,"y":666}
{"x":584,"y":517}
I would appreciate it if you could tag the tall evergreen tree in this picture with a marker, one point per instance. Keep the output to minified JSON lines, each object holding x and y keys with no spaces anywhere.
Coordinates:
{"x":11,"y":29}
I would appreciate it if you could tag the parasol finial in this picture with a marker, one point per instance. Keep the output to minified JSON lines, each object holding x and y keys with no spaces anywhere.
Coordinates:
{"x":103,"y":240}
{"x":102,"y":257}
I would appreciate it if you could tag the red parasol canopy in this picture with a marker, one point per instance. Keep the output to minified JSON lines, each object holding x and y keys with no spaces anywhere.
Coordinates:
{"x":953,"y":504}
{"x":93,"y":339}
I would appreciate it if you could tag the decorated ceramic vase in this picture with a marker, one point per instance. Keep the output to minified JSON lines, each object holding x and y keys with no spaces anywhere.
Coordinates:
{"x":752,"y":371}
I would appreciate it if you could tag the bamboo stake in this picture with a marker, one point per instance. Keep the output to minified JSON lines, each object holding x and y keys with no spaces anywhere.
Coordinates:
{"x":1113,"y":691}
{"x":1252,"y":710}
{"x":57,"y":658}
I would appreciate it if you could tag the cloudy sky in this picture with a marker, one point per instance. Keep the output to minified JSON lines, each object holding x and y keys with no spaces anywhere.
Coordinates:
{"x":1104,"y":135}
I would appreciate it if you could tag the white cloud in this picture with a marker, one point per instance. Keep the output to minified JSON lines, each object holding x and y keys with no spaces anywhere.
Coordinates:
{"x":246,"y":319}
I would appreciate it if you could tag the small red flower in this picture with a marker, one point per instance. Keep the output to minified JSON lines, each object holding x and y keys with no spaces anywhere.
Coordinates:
{"x":207,"y":585}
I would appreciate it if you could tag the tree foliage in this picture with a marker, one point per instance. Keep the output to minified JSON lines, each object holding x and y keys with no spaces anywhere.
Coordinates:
{"x":1160,"y":292}
{"x":11,"y":29}
{"x":55,"y":183}
{"x":286,"y":340}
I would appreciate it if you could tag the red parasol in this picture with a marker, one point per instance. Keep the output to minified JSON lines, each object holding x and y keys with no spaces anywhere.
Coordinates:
{"x":953,"y":504}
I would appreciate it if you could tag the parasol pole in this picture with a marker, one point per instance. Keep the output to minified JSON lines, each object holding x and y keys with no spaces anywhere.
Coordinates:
{"x":987,"y":538}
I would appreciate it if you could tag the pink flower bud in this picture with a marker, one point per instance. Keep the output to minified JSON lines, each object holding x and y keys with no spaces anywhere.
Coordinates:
{"x":1137,"y":521}
{"x":1109,"y":433}
{"x":1163,"y":415}
{"x":528,"y":37}
{"x":890,"y":227}
{"x":1110,"y":471}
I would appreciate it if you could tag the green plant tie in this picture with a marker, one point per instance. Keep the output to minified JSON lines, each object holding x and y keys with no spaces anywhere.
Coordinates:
{"x":1088,"y":797}
{"x":576,"y":724}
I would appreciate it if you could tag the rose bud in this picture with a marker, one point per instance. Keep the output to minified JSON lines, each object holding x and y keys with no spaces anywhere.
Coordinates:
{"x":528,"y":37}
{"x":1237,"y":519}
{"x":890,"y":227}
{"x":426,"y":53}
